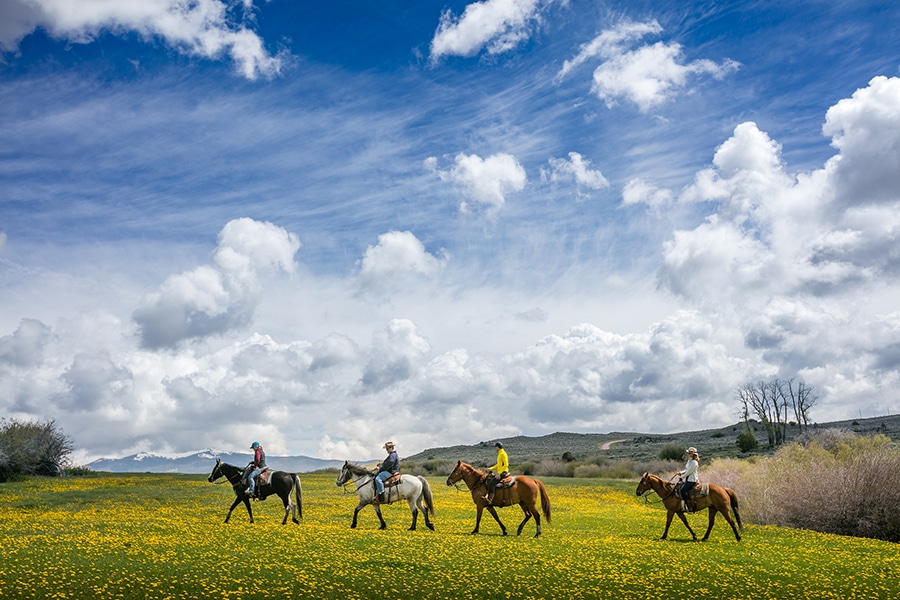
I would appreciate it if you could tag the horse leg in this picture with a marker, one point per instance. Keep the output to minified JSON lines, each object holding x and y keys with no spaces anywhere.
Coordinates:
{"x":711,"y":521}
{"x":355,"y":515}
{"x":525,"y":520}
{"x":421,"y":506}
{"x":494,"y":514}
{"x":288,"y":506}
{"x":380,"y":518}
{"x":686,"y":524}
{"x":479,"y":508}
{"x":249,"y":510}
{"x":237,"y":501}
{"x":730,"y":522}
{"x":415,"y":513}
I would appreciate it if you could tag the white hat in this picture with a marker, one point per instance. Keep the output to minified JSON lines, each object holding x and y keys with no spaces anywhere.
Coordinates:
{"x":692,"y":450}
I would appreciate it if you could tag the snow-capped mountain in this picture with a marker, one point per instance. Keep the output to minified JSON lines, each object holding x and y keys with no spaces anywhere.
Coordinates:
{"x":203,"y":462}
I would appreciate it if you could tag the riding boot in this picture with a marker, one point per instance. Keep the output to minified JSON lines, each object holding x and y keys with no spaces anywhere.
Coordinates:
{"x":684,"y":506}
{"x":381,"y":498}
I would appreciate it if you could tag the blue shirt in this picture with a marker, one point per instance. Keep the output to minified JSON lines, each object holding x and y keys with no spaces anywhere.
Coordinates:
{"x":391,"y":464}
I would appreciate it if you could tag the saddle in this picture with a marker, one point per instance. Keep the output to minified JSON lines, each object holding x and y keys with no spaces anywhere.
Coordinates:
{"x":698,"y":491}
{"x":264,"y":477}
{"x":389,"y":483}
{"x":506,"y":482}
{"x":261,"y":479}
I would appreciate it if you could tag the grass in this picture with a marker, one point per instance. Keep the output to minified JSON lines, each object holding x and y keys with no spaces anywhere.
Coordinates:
{"x":162,"y":536}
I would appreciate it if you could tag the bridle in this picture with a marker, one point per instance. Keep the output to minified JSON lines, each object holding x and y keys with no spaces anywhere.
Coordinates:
{"x":646,"y":496}
{"x":355,"y":479}
{"x":221,"y":473}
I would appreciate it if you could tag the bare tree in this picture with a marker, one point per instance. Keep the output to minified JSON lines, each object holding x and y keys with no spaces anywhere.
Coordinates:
{"x":773,"y":402}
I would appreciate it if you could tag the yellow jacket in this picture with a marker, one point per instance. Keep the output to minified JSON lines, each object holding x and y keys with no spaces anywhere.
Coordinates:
{"x":502,"y":465}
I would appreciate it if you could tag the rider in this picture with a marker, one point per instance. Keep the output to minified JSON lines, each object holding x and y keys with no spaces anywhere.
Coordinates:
{"x":388,"y":467}
{"x":257,"y":465}
{"x":498,"y":471}
{"x":691,"y":478}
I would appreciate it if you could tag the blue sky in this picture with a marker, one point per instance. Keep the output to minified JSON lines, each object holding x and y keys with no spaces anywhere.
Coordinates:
{"x":325,"y":227}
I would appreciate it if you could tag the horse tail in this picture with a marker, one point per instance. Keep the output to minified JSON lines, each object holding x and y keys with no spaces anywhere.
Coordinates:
{"x":298,"y":492}
{"x":426,"y":491}
{"x":732,"y":495}
{"x":545,"y":499}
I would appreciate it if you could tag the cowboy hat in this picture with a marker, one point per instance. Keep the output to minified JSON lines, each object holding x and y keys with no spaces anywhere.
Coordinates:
{"x":692,"y":450}
{"x":388,"y":445}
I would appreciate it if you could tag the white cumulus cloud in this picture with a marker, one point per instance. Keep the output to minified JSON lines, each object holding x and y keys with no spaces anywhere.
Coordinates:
{"x":398,"y":253}
{"x":198,"y":28}
{"x":648,"y":75}
{"x":498,"y":25}
{"x":212,"y":299}
{"x":486,"y":181}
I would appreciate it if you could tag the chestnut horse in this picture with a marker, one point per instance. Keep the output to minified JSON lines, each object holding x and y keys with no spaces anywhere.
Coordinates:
{"x":720,"y":499}
{"x":524,"y":492}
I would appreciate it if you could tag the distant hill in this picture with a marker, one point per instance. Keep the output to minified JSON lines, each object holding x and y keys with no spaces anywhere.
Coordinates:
{"x":640,"y":447}
{"x":202,"y":463}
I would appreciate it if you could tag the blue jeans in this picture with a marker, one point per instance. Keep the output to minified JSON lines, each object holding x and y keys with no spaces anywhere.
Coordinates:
{"x":380,"y":479}
{"x":251,"y":480}
{"x":686,"y":489}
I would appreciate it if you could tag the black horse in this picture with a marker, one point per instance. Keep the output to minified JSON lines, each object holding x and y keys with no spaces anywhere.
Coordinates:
{"x":280,"y":484}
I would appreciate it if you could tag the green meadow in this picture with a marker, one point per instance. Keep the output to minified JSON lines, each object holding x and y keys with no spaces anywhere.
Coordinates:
{"x":162,"y":536}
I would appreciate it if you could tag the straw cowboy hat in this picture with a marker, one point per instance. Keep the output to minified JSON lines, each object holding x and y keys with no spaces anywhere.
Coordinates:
{"x":389,"y":445}
{"x":692,"y":450}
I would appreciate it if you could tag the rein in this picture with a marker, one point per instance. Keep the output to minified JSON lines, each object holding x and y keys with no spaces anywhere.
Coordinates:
{"x":354,"y":479}
{"x":228,"y":478}
{"x":661,"y":498}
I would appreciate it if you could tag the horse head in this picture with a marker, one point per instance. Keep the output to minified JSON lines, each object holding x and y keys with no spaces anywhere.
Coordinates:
{"x":344,"y":476}
{"x":216,"y":472}
{"x":456,"y":474}
{"x":644,"y":485}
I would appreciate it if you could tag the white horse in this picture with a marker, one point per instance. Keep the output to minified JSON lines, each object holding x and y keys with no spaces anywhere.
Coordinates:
{"x":413,"y":489}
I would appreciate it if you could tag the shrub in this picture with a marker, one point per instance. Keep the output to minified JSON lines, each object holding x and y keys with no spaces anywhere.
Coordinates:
{"x":549,"y":467}
{"x":671,"y":452}
{"x":589,"y":470}
{"x":32,"y":448}
{"x":746,"y":441}
{"x":527,"y":468}
{"x":835,"y":482}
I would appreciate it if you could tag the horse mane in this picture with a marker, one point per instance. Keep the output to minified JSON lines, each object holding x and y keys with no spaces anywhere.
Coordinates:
{"x":358,"y":469}
{"x":478,"y":472}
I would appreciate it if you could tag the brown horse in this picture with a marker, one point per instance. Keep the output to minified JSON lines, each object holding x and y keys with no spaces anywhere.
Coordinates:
{"x":720,"y":499}
{"x":524,"y":492}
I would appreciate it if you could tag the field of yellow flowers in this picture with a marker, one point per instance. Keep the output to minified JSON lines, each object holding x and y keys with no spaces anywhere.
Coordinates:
{"x":163,"y":536}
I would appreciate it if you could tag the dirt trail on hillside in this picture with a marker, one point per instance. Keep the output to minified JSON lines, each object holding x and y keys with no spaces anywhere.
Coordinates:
{"x":608,"y":444}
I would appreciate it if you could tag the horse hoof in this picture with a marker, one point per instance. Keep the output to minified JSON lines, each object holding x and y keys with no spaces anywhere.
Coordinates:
{"x":295,"y":521}
{"x":431,"y":527}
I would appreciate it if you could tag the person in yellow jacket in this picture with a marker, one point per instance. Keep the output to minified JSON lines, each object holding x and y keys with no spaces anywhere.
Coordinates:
{"x":498,"y":471}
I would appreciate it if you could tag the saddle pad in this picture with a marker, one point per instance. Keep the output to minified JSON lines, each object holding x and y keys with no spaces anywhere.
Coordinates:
{"x":392,"y":480}
{"x":263,"y":478}
{"x":506,"y":482}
